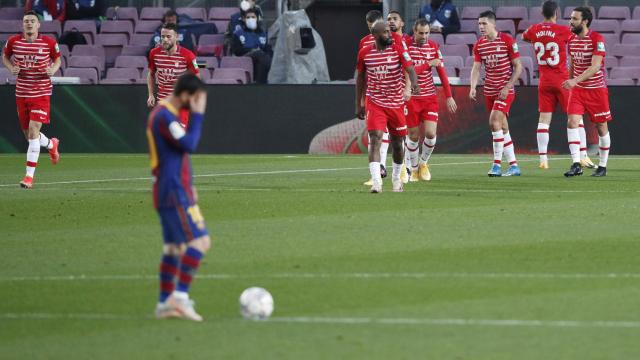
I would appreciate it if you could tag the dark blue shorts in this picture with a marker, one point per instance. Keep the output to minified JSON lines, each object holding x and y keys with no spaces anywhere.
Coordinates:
{"x":182,"y":224}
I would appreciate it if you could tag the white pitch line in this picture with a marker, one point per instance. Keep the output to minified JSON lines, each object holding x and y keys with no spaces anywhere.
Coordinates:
{"x":305,"y":276}
{"x":356,"y":320}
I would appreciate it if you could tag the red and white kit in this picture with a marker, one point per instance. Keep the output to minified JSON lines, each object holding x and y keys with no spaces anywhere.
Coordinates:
{"x":169,"y":67}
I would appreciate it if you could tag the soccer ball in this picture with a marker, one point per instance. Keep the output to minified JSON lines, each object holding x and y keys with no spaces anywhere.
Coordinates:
{"x":256,"y":303}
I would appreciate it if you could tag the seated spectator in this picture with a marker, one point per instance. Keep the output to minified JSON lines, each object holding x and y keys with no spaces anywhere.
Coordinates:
{"x":442,"y":16}
{"x":236,"y":20}
{"x":86,"y":9}
{"x":251,"y":40}
{"x":47,"y":10}
{"x":184,"y":34}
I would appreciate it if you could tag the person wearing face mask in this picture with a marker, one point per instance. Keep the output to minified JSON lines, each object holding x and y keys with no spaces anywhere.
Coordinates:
{"x":442,"y":16}
{"x":236,"y":20}
{"x":251,"y":40}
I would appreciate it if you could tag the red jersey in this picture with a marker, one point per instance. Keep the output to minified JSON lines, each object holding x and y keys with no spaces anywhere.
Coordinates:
{"x":550,"y":44}
{"x":582,"y":50}
{"x":33,"y":58}
{"x":385,"y":73}
{"x":366,"y":41}
{"x":422,"y":55}
{"x":168,"y":68}
{"x":496,"y":55}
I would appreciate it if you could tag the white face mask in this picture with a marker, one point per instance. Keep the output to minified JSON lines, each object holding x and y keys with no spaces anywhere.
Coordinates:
{"x":252,"y":23}
{"x":245,"y":5}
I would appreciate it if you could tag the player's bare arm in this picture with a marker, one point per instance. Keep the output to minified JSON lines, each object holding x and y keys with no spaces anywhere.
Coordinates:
{"x":360,"y":95}
{"x":407,"y":87}
{"x":51,"y":70}
{"x":444,"y":79}
{"x":596,"y":64}
{"x":435,"y":63}
{"x":9,"y":65}
{"x":151,"y":99}
{"x":473,"y":81}
{"x":415,"y":88}
{"x":517,"y":70}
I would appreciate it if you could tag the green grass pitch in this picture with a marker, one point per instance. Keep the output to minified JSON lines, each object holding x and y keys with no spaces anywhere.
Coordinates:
{"x":463,"y":267}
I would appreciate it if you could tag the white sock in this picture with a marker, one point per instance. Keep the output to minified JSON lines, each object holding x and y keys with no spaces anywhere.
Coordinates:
{"x":33,"y":152}
{"x":413,"y":153}
{"x":395,"y":175}
{"x":604,"y":143}
{"x":510,"y":150}
{"x":498,"y":146}
{"x":180,"y":295}
{"x":384,"y":148}
{"x":543,"y":140}
{"x":374,"y":169}
{"x":427,"y":149}
{"x":573,"y":136}
{"x":583,"y":140}
{"x":44,"y":141}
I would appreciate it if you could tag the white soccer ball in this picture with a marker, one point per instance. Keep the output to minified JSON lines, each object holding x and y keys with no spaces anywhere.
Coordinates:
{"x":256,"y":303}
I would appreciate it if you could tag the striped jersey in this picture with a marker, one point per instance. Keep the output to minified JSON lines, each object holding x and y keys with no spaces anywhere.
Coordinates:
{"x":582,"y":50}
{"x":169,"y":147}
{"x":167,"y":68}
{"x":496,"y":55}
{"x":421,"y":55}
{"x":550,"y":45}
{"x":385,"y":73}
{"x":33,"y":58}
{"x":366,"y":41}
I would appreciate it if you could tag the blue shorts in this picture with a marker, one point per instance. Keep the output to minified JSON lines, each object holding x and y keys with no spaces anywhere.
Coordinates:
{"x":182,"y":224}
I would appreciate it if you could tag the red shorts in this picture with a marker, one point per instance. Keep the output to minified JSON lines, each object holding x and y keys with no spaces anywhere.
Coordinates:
{"x":594,"y":102}
{"x":382,"y":118}
{"x":33,"y":109}
{"x":184,"y":117}
{"x":493,"y":103}
{"x":549,"y":96}
{"x":422,"y":108}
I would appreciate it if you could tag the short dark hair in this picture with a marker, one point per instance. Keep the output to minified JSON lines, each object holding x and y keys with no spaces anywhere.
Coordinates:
{"x":373,"y":15}
{"x":488,"y":14}
{"x":170,"y":26}
{"x":396,"y":12}
{"x":188,"y":82}
{"x":30,"y":12}
{"x":169,"y":13}
{"x":586,"y":14}
{"x":549,"y":9}
{"x":253,"y":10}
{"x":420,"y":22}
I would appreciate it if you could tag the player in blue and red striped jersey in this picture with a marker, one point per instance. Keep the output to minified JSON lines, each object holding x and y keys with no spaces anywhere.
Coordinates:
{"x":185,"y":235}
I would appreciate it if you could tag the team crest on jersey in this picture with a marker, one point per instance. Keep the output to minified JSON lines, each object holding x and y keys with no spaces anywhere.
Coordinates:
{"x":515,"y":47}
{"x":447,"y":13}
{"x":427,"y":17}
{"x":600,"y":46}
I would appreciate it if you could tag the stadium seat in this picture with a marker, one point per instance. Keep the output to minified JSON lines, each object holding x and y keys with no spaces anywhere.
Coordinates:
{"x":630,"y":26}
{"x":456,"y":50}
{"x":631,"y":38}
{"x":606,"y":26}
{"x":636,"y":13}
{"x":51,"y":27}
{"x":64,"y":50}
{"x":621,"y":50}
{"x":238,"y":62}
{"x":621,"y":82}
{"x":469,"y":26}
{"x":222,"y":13}
{"x":512,"y":12}
{"x":526,"y":49}
{"x":524,"y":25}
{"x":614,"y":12}
{"x":626,"y":61}
{"x":569,"y":9}
{"x":82,"y":61}
{"x":454,"y":61}
{"x":86,"y":75}
{"x":126,"y":61}
{"x":129,"y":74}
{"x":196,"y":13}
{"x":214,"y":81}
{"x":112,"y":44}
{"x":86,"y":27}
{"x":210,"y":44}
{"x":506,"y":26}
{"x":123,"y":13}
{"x":135,"y":50}
{"x":117,"y":27}
{"x":11,"y":13}
{"x":153,"y":13}
{"x":89,"y":50}
{"x":145,"y":73}
{"x":147,"y":26}
{"x":221,"y":25}
{"x":210,"y":62}
{"x":3,"y":38}
{"x":461,"y":39}
{"x":140,"y":39}
{"x":10,"y":26}
{"x":535,"y":14}
{"x":611,"y":39}
{"x":437,"y":38}
{"x":528,"y":67}
{"x":238,"y":75}
{"x":5,"y":76}
{"x":205,"y":74}
{"x":465,"y":75}
{"x":472,"y":12}
{"x":630,"y":72}
{"x":468,"y":62}
{"x":449,"y":70}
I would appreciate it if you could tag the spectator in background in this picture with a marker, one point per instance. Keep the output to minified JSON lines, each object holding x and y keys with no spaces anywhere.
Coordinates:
{"x":236,"y":20}
{"x":442,"y":16}
{"x":47,"y":10}
{"x":184,"y":34}
{"x":86,"y":10}
{"x":251,"y":40}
